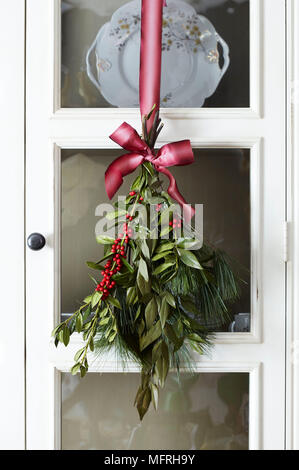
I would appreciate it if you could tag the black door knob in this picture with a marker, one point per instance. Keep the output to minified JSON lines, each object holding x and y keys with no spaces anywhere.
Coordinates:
{"x":36,"y":241}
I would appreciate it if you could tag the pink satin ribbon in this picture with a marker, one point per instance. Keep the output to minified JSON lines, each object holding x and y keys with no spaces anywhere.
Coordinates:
{"x":174,"y":154}
{"x":177,"y":153}
{"x":150,"y":57}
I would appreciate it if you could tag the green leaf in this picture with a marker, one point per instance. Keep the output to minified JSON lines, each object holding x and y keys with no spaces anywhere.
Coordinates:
{"x":162,"y":364}
{"x":151,"y":312}
{"x":115,"y":215}
{"x":104,"y":321}
{"x":83,"y":371}
{"x":112,"y":337}
{"x":145,"y":249}
{"x":75,"y":369}
{"x":131,"y":295}
{"x":143,"y":400}
{"x":164,"y":247}
{"x":188,"y":243}
{"x":189,"y":259}
{"x":95,"y":299}
{"x":196,"y":346}
{"x":170,"y":333}
{"x":157,"y":351}
{"x":161,"y":255}
{"x":127,"y":265}
{"x":195,"y":337}
{"x":56,"y":329}
{"x":96,"y":266}
{"x":165,"y":231}
{"x":155,"y":395}
{"x":79,"y":354}
{"x":143,"y":285}
{"x":138,"y":313}
{"x":79,"y":323}
{"x":104,"y":240}
{"x":170,"y":299}
{"x":123,"y":279}
{"x":66,"y":336}
{"x":142,"y":269}
{"x":87,"y":299}
{"x":152,"y":335}
{"x":164,"y":311}
{"x":93,"y":279}
{"x":87,"y":313}
{"x":162,"y":268}
{"x":113,"y":301}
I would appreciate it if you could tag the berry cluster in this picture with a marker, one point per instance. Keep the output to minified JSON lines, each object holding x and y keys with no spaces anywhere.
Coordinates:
{"x":110,"y":269}
{"x":175,"y":224}
{"x":107,"y":284}
{"x":119,"y":252}
{"x":133,"y":193}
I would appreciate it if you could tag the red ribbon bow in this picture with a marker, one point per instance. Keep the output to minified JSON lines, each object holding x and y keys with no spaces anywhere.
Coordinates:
{"x":174,"y":154}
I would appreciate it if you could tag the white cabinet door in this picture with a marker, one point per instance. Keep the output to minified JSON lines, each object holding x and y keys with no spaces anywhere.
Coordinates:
{"x":239,"y":139}
{"x":12,"y":394}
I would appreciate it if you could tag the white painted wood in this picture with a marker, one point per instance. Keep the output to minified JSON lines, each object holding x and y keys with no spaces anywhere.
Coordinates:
{"x":292,"y":350}
{"x":262,"y":128}
{"x":12,"y":352}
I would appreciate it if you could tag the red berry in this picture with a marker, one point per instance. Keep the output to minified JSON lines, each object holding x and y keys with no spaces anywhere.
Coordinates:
{"x":170,"y":224}
{"x":141,"y":198}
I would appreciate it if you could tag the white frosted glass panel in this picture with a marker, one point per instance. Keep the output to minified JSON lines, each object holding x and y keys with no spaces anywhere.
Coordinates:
{"x":201,"y":412}
{"x":219,"y":179}
{"x":190,"y":44}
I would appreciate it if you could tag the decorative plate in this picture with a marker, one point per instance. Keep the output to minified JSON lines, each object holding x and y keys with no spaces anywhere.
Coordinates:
{"x":190,"y":57}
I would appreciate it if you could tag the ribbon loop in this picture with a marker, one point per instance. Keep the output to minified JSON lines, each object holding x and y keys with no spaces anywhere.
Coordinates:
{"x":128,"y":138}
{"x":175,"y":154}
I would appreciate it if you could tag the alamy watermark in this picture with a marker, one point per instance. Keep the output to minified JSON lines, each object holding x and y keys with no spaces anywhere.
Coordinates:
{"x":150,"y":221}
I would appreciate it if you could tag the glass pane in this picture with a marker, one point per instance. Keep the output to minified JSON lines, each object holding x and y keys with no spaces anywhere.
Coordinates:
{"x":205,"y":58}
{"x":219,"y":179}
{"x":199,"y":412}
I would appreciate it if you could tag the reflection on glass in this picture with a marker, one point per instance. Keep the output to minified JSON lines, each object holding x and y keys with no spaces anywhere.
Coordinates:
{"x":193,"y":43}
{"x":219,"y":179}
{"x":198,"y":412}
